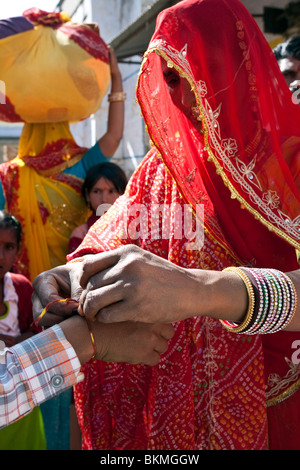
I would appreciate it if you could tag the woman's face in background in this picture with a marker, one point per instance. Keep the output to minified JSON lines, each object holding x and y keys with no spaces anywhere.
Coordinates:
{"x":103,"y":192}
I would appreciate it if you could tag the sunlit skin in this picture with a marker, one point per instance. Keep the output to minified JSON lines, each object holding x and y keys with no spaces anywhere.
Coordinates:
{"x":290,"y":69}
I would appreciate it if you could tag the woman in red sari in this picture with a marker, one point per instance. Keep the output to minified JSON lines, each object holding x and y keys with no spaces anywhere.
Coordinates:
{"x":225,"y":136}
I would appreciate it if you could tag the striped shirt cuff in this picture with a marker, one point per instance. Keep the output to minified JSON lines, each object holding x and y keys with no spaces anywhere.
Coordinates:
{"x":34,"y":371}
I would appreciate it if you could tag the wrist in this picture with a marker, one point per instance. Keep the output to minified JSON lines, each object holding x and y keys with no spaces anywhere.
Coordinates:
{"x":218,"y":294}
{"x":77,"y":334}
{"x":116,"y":96}
{"x":92,"y":338}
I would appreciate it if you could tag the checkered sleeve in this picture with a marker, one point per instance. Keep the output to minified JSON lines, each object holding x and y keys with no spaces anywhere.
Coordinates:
{"x":34,"y":371}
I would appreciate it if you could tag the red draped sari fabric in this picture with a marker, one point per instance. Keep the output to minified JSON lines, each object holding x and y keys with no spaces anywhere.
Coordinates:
{"x":208,"y":390}
{"x":240,"y":162}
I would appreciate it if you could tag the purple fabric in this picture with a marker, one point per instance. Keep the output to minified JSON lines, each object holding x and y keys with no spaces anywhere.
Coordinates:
{"x":15,"y":25}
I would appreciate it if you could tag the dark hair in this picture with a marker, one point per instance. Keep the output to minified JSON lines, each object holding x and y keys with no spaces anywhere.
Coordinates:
{"x":289,"y":48}
{"x":8,"y":221}
{"x":107,"y":170}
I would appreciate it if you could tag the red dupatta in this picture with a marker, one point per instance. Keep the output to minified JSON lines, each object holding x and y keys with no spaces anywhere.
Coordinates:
{"x":250,"y":125}
{"x":244,"y":167}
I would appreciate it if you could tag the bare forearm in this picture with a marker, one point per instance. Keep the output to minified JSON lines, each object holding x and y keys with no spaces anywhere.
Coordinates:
{"x":115,"y":127}
{"x":221,"y":295}
{"x":147,"y":288}
{"x":116,"y":111}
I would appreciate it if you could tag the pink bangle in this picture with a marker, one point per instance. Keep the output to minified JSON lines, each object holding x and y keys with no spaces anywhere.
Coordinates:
{"x":274,"y":305}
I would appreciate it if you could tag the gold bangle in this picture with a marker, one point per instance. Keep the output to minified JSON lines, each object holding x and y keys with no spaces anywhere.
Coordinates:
{"x":116,"y":96}
{"x":92,"y":339}
{"x":251,"y":302}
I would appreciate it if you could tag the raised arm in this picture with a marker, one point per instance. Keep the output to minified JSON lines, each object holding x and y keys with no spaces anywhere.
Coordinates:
{"x":110,"y":141}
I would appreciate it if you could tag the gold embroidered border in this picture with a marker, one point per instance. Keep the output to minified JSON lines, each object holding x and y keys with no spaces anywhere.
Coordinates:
{"x":61,"y":167}
{"x":219,"y":169}
{"x":284,"y":395}
{"x":223,"y":245}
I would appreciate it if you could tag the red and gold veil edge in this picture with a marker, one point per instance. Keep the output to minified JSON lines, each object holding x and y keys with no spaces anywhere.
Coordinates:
{"x":207,"y":132}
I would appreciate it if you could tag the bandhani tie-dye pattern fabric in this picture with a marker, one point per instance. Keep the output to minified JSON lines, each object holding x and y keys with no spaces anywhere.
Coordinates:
{"x":236,"y":154}
{"x":208,"y":390}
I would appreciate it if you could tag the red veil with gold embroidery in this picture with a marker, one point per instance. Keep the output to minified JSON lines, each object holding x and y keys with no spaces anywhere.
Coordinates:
{"x":241,"y":161}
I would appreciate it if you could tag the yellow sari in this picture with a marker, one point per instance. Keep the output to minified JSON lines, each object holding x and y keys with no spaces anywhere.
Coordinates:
{"x":46,"y":91}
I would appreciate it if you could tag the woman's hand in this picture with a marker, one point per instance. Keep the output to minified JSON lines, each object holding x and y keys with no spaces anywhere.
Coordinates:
{"x":130,"y":284}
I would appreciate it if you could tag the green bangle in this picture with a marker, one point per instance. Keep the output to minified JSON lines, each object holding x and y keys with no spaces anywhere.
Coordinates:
{"x":7,"y":310}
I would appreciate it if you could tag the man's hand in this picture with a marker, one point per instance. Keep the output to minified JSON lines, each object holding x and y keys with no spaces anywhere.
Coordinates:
{"x":131,"y":342}
{"x":130,"y":284}
{"x":58,"y":283}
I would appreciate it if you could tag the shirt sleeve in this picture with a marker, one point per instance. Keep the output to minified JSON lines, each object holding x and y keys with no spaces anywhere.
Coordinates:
{"x":2,"y":198}
{"x":34,"y":371}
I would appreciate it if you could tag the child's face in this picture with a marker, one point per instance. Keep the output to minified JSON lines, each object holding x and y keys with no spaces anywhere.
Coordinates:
{"x":103,"y":192}
{"x":8,"y":250}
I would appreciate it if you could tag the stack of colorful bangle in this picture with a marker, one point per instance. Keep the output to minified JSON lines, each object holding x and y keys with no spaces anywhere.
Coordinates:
{"x":272,"y":301}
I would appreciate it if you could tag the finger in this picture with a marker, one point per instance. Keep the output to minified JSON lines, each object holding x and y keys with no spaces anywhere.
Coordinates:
{"x":119,"y":312}
{"x":152,"y":360}
{"x":48,"y":319}
{"x":55,"y":304}
{"x":161,"y":347}
{"x":98,"y":263}
{"x":76,"y":289}
{"x":167,"y":331}
{"x":52,"y":284}
{"x":101,"y":279}
{"x":37,"y":306}
{"x":92,"y":302}
{"x":54,"y":312}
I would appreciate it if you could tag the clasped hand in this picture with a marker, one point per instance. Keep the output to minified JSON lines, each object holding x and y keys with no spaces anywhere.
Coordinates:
{"x":127,"y":286}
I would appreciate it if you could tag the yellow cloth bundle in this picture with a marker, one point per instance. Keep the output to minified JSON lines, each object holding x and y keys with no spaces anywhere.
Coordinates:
{"x":53,"y":72}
